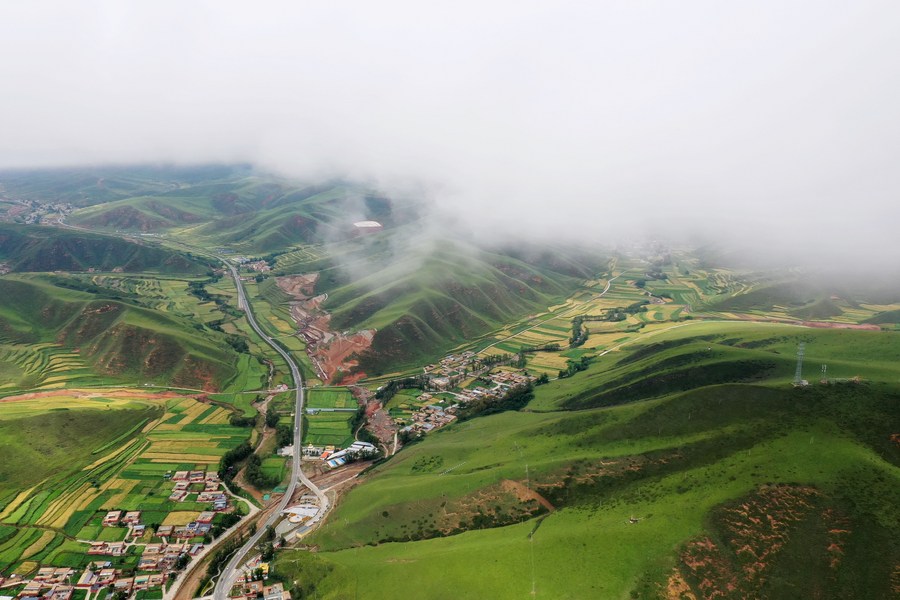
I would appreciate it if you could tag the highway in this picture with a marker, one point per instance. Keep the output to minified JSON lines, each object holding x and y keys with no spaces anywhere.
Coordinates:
{"x":226,"y":580}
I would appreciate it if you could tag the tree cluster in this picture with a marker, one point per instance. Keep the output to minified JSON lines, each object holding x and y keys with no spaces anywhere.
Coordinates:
{"x":390,"y":389}
{"x":255,"y":475}
{"x":236,"y":420}
{"x":233,"y":457}
{"x":575,"y":366}
{"x":515,"y":399}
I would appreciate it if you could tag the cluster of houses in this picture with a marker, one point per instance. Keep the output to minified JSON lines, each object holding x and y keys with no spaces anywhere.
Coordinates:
{"x":201,"y":526}
{"x":190,"y":482}
{"x":163,"y":556}
{"x":258,"y":590}
{"x":433,"y":415}
{"x":452,"y":365}
{"x":429,"y":417}
{"x":503,"y":382}
{"x":353,"y":451}
{"x":60,"y":583}
{"x":334,"y":457}
{"x":260,"y":266}
{"x":39,"y":213}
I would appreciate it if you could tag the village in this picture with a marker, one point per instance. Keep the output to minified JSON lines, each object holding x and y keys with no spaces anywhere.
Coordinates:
{"x":441,"y":398}
{"x":140,"y":561}
{"x":147,"y":555}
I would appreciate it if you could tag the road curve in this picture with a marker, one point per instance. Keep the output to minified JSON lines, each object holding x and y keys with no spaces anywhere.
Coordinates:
{"x":226,"y":580}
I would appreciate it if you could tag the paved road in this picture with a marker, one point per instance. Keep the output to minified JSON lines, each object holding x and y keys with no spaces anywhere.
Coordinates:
{"x":226,"y":580}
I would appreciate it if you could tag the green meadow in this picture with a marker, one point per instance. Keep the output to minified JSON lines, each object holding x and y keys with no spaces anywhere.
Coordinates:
{"x":637,"y":456}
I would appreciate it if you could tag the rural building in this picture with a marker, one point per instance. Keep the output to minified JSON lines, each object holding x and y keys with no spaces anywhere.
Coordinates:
{"x":365,"y":227}
{"x":87,"y":579}
{"x":112,"y":518}
{"x":106,"y":576}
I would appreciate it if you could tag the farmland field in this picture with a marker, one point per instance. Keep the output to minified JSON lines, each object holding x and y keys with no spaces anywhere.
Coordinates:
{"x":110,"y":453}
{"x":328,"y":429}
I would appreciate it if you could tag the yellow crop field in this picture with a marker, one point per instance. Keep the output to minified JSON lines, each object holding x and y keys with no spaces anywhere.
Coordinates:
{"x":16,"y":502}
{"x":550,"y":360}
{"x":165,"y":457}
{"x":39,"y":544}
{"x":124,"y":487}
{"x":110,"y":456}
{"x":180,"y":517}
{"x":66,"y":503}
{"x":602,"y":341}
{"x":27,"y":568}
{"x":195,"y":410}
{"x":219,"y":417}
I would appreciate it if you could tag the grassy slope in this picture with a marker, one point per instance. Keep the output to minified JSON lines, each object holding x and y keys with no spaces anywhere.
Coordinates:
{"x":254,"y":214}
{"x":93,"y":185}
{"x":61,"y":441}
{"x":117,"y":339}
{"x":35,"y":248}
{"x":424,"y":304}
{"x":669,"y":461}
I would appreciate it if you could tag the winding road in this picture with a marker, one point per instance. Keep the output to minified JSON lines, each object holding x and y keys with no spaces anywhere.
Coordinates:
{"x":226,"y":580}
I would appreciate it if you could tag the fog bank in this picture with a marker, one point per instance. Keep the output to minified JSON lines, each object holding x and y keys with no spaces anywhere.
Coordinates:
{"x":766,"y":122}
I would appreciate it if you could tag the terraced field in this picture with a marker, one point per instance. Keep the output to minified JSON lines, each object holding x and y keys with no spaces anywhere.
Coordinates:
{"x":111,"y":453}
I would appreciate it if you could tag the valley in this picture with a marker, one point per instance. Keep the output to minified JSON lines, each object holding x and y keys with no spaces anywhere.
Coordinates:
{"x":563,"y":422}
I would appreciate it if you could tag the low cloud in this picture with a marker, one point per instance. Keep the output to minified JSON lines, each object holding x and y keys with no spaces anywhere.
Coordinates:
{"x":768,"y":123}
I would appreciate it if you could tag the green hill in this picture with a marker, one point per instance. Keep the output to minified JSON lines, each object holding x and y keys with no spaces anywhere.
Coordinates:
{"x":685,"y":487}
{"x":87,"y":186}
{"x":112,"y":339}
{"x":254,"y":214}
{"x":34,"y":248}
{"x":427,"y":302}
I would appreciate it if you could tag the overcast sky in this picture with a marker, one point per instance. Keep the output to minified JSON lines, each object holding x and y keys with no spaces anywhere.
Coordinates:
{"x":778,"y":117}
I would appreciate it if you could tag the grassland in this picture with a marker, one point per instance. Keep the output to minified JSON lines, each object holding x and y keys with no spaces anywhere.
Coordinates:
{"x":636,"y":477}
{"x":33,"y":248}
{"x":673,"y":458}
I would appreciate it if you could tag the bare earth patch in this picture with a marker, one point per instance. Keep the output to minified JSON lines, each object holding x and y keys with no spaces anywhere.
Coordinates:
{"x":331,"y":352}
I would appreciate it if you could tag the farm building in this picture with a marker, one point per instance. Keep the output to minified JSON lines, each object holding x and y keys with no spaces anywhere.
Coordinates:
{"x":112,"y":518}
{"x":368,"y":226}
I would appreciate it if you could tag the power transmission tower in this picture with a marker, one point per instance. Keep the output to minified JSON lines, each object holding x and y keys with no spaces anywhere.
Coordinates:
{"x":798,"y":381}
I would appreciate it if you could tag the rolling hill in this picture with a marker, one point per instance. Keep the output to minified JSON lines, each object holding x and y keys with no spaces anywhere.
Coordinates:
{"x":425,"y":302}
{"x":88,"y":186}
{"x":112,"y":339}
{"x":33,"y":248}
{"x":704,"y":488}
{"x":253,"y":214}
